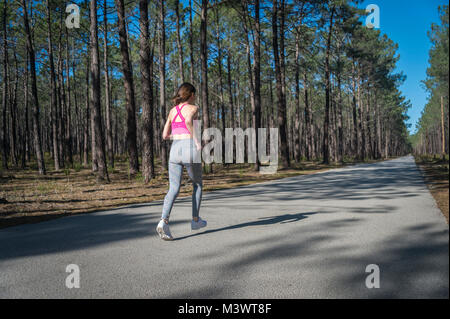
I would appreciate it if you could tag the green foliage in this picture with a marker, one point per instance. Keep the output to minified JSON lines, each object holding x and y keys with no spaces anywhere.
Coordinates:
{"x":77,"y":167}
{"x":139,"y":177}
{"x":437,"y":84}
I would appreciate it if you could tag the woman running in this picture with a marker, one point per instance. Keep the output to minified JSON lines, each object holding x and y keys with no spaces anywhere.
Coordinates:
{"x":185,"y":148}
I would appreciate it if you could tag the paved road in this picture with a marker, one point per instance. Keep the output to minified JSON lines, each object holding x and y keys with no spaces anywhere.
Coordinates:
{"x":300,"y":237}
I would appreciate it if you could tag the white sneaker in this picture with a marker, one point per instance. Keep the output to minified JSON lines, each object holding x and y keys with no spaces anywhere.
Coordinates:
{"x":164,"y":230}
{"x":199,"y":224}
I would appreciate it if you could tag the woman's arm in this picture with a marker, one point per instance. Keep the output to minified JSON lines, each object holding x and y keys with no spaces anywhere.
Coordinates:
{"x":198,"y":144}
{"x":167,"y":129}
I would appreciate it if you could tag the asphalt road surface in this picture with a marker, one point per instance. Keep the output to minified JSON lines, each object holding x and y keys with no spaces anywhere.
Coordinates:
{"x":301,"y":237}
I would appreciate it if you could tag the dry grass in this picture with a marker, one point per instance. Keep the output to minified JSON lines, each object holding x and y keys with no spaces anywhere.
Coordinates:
{"x":436,"y":174}
{"x":26,"y":197}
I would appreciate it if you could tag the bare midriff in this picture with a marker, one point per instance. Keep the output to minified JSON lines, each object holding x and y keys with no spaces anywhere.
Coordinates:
{"x":181,"y":136}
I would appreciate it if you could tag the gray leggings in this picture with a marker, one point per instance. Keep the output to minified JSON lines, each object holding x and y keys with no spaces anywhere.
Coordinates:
{"x":183,"y":153}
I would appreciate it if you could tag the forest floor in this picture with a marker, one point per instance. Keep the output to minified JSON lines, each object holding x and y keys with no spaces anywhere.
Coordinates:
{"x":26,"y":197}
{"x":436,"y":174}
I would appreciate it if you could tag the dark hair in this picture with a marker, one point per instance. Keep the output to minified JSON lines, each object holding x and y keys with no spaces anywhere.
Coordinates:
{"x":184,"y":93}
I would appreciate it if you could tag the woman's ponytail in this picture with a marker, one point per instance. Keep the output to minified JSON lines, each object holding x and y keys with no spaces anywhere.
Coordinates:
{"x":184,"y":93}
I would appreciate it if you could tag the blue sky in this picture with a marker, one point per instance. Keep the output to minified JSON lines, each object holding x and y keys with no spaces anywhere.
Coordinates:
{"x":407,"y":22}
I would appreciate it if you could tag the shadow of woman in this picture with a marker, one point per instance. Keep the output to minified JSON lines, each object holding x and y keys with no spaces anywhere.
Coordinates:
{"x":282,"y":219}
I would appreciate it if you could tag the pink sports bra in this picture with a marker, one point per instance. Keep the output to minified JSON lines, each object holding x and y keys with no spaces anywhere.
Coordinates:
{"x":179,"y":128}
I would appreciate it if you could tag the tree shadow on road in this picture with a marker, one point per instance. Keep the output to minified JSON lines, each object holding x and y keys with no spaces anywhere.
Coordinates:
{"x":76,"y":233}
{"x":413,"y":264}
{"x":282,"y":219}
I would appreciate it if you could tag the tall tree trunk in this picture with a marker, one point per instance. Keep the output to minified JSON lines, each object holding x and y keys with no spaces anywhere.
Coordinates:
{"x":221,"y":96}
{"x":279,"y":86}
{"x":369,"y":131}
{"x":297,"y":151}
{"x":180,"y":50}
{"x":13,"y":111}
{"x":146,"y":59}
{"x":26,"y":142}
{"x":251,"y":74}
{"x":257,"y":77}
{"x":93,"y":143}
{"x":281,"y":37}
{"x":162,"y":80}
{"x":87,"y":122}
{"x":102,"y":173}
{"x":191,"y":43}
{"x":5,"y":152}
{"x":249,"y":62}
{"x":109,"y":139}
{"x":361,"y":137}
{"x":379,"y":137}
{"x":442,"y":126}
{"x":230,"y":89}
{"x":308,"y":117}
{"x":116,"y":127}
{"x":34,"y":94}
{"x":61,"y":100}
{"x":68,"y":133}
{"x":238,"y":95}
{"x":356,"y":132}
{"x":340,"y":133}
{"x":77,"y":116}
{"x":333,"y":126}
{"x":204,"y":62}
{"x":53,"y":94}
{"x":326,"y":125}
{"x":129,"y":90}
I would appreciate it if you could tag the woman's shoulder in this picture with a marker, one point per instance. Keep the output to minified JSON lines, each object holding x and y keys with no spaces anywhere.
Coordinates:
{"x":172,"y":110}
{"x":193,"y":107}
